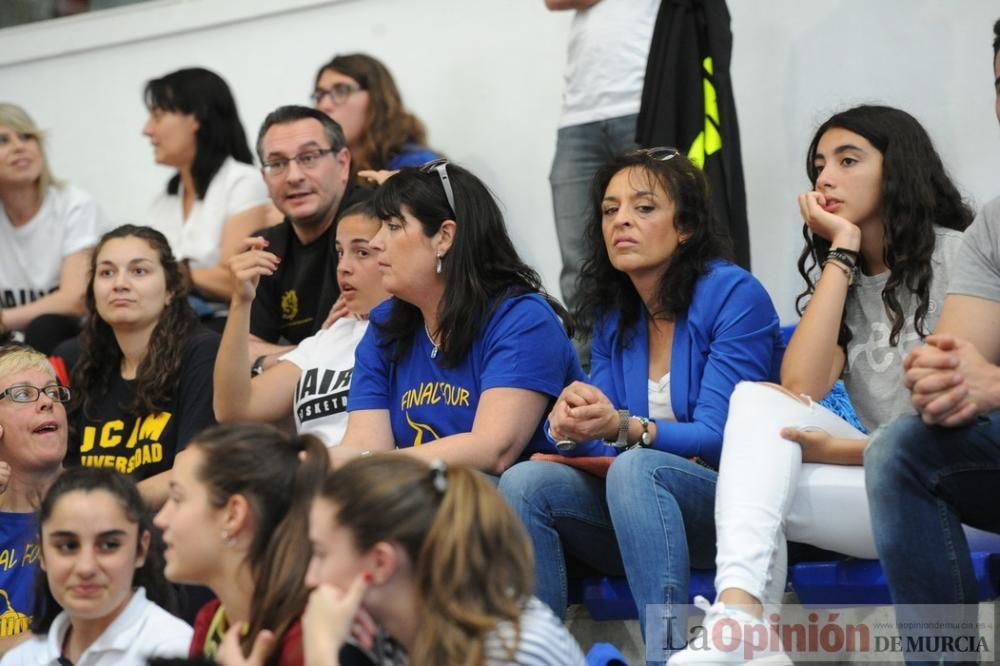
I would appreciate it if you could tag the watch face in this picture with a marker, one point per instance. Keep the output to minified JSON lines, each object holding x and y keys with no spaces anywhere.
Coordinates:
{"x":646,"y":439}
{"x":565,"y":445}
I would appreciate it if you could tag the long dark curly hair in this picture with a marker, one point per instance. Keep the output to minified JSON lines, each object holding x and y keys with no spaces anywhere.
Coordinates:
{"x":158,"y":375}
{"x":916,"y":195}
{"x":481,"y":269}
{"x":602,"y":288}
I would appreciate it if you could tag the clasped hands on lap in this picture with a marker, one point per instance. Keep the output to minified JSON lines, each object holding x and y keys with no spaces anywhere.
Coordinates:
{"x":582,"y":413}
{"x":950,"y":381}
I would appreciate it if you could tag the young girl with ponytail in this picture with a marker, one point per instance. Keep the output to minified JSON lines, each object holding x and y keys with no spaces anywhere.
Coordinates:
{"x":235,"y":521}
{"x":435,"y":559}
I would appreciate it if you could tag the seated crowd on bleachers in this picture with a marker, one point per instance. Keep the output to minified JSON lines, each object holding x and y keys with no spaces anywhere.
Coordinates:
{"x":366,"y":433}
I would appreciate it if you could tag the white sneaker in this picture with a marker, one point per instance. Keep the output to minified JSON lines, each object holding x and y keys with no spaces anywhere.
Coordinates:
{"x":730,"y":636}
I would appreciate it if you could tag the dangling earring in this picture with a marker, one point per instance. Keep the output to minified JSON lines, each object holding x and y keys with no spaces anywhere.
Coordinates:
{"x":437,"y":269}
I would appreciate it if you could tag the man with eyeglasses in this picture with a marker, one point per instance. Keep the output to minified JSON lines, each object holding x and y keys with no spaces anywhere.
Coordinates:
{"x":307,"y":168}
{"x":33,"y":435}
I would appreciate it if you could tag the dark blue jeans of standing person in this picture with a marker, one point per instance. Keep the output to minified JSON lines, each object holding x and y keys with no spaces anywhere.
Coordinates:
{"x":653,"y":519}
{"x":923,"y":482}
{"x":580,"y":151}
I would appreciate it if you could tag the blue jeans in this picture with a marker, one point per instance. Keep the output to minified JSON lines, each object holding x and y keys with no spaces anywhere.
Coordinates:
{"x":580,"y":151}
{"x":653,"y":519}
{"x":923,"y":482}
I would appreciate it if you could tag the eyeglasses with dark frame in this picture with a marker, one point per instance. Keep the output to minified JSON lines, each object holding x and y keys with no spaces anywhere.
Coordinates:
{"x":441,"y":167}
{"x":338,"y":93}
{"x":29,"y":393}
{"x":307,"y":160}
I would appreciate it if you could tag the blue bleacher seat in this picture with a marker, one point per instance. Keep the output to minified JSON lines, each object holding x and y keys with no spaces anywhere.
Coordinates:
{"x":859,"y":582}
{"x":850,"y":582}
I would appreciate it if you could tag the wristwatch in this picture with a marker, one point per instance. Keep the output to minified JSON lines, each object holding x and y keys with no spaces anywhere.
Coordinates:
{"x":646,"y":438}
{"x":565,"y":444}
{"x":258,"y":366}
{"x":622,"y":441}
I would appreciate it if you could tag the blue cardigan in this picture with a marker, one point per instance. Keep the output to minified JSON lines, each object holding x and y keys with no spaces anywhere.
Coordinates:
{"x":729,"y":334}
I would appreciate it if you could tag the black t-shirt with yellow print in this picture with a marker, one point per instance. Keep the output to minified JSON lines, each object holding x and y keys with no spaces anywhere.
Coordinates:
{"x":110,"y":436}
{"x":292,"y":304}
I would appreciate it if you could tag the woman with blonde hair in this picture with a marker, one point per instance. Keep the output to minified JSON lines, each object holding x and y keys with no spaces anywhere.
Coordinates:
{"x":33,"y":436}
{"x":47,"y":228}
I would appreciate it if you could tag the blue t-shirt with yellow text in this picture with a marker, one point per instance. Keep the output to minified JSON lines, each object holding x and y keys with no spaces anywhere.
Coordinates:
{"x":18,"y":562}
{"x":523,"y":345}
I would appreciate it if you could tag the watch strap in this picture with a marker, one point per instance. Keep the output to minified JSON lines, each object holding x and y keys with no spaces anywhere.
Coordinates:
{"x":623,"y":419}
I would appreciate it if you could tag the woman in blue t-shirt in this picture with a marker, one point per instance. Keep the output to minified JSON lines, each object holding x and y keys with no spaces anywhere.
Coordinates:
{"x":467,"y":357}
{"x":675,"y":327}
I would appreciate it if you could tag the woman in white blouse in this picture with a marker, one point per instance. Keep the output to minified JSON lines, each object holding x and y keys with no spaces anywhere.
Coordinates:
{"x":216,"y":198}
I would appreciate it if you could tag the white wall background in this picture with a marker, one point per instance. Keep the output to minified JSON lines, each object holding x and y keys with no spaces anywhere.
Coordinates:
{"x":486,"y":78}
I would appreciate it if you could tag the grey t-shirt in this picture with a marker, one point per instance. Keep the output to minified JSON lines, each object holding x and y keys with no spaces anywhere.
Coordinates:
{"x":978,"y":270}
{"x":874,"y":376}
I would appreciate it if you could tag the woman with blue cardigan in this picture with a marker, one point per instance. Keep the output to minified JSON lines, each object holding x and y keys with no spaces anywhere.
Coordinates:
{"x":675,"y":327}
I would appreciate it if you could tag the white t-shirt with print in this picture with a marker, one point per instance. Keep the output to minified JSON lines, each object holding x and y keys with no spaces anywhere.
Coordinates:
{"x":236,"y":187}
{"x":327,"y":362}
{"x":31,"y":255}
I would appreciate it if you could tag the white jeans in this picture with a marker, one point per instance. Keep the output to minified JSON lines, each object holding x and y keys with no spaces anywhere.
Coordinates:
{"x":766,"y":494}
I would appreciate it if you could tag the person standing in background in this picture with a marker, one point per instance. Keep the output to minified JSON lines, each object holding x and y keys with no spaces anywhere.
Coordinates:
{"x":605,"y":67}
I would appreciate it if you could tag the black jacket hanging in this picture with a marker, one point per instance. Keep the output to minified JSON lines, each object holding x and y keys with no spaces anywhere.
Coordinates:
{"x":687,"y":102}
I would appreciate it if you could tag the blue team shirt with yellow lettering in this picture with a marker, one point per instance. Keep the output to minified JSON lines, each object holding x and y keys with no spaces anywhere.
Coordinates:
{"x":18,"y":562}
{"x":523,"y":345}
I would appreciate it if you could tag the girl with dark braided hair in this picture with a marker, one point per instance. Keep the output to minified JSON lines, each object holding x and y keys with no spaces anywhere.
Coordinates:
{"x":144,"y":378}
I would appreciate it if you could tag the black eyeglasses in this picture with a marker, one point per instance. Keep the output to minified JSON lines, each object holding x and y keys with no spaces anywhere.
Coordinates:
{"x":658,"y":153}
{"x":441,"y":167}
{"x":338,"y":93}
{"x":28,"y":393}
{"x":308,"y":160}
